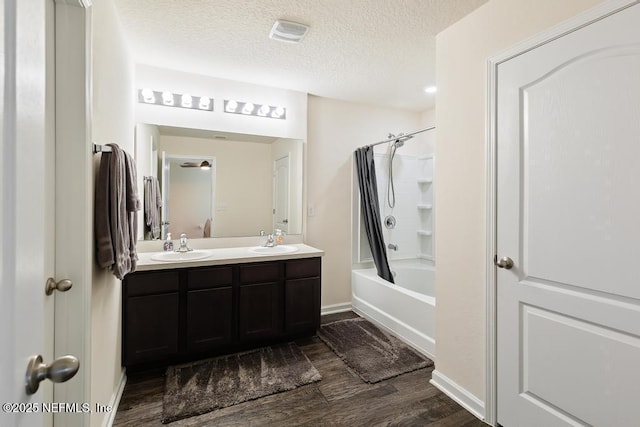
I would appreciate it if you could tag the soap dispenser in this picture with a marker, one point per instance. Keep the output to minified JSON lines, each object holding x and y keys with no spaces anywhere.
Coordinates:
{"x":279,"y":236}
{"x":168,"y":244}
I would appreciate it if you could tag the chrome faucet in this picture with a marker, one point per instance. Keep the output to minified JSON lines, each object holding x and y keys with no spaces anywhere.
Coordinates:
{"x":271,"y":242}
{"x":392,"y":247}
{"x":183,"y":244}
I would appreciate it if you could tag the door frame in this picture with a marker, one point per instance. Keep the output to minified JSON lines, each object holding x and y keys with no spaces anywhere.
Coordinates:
{"x":167,"y":157}
{"x":287,"y":156}
{"x":74,"y":198}
{"x":581,"y":20}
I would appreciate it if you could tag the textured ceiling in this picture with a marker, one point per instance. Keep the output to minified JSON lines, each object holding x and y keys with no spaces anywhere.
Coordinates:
{"x":379,"y":52}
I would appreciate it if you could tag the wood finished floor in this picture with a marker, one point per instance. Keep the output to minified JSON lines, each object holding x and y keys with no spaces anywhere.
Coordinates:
{"x":341,"y":398}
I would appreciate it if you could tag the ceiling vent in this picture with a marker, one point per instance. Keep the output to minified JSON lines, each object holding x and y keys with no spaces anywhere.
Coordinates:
{"x":287,"y":31}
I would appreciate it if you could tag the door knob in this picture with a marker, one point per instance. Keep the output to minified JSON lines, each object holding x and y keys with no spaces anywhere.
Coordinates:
{"x":505,"y":262}
{"x":62,"y":286}
{"x":62,"y":369}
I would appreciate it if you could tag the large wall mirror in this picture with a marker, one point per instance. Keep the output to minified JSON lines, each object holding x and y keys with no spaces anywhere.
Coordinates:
{"x":217,"y":184}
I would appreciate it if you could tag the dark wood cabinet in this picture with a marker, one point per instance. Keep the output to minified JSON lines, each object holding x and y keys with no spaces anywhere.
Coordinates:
{"x":209,"y":309}
{"x":259,"y":308}
{"x":259,"y":301}
{"x":302,"y":295}
{"x":171,"y":316}
{"x":151,"y":307}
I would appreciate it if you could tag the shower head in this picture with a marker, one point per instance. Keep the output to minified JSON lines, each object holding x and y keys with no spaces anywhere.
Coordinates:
{"x":401,"y":139}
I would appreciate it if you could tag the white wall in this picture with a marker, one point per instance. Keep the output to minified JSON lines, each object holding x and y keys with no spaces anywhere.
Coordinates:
{"x":336,"y":129}
{"x":113,"y":120}
{"x":462,"y":52}
{"x":427,"y":120}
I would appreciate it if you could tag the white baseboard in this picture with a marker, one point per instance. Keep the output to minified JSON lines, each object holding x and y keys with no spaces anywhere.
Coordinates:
{"x":115,"y":400}
{"x":463,"y":397}
{"x":335,"y":308}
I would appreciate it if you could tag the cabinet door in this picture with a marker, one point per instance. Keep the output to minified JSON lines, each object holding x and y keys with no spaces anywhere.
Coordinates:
{"x":302,"y":305}
{"x":259,"y":310}
{"x":209,"y":318}
{"x":209,"y":312}
{"x":151,"y":328}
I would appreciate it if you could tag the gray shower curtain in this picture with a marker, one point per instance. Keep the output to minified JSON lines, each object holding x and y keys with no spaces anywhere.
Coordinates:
{"x":371,"y":210}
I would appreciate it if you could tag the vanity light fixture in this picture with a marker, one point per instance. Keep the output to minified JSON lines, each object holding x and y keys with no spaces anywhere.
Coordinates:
{"x":170,"y":99}
{"x":230,"y":106}
{"x":278,"y":113}
{"x":186,"y":100}
{"x":204,"y":103}
{"x":148,"y":96}
{"x":167,"y":98}
{"x":251,"y":109}
{"x":248,"y":108}
{"x":264,"y":110}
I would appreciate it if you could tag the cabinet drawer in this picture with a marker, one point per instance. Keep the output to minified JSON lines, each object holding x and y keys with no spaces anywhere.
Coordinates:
{"x":300,"y":268}
{"x":152,"y":283}
{"x":207,"y":278}
{"x":259,"y":273}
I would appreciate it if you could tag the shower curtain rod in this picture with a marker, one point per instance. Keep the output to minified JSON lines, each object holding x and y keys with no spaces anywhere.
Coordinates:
{"x":395,"y":138}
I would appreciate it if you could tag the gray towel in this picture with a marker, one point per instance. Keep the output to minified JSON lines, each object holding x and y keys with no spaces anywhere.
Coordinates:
{"x":152,"y":205}
{"x":116,"y":204}
{"x":207,"y":228}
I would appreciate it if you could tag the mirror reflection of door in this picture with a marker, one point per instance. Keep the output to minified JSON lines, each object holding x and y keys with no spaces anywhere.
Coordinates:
{"x":164,"y":185}
{"x":281,"y":194}
{"x":191,"y":181}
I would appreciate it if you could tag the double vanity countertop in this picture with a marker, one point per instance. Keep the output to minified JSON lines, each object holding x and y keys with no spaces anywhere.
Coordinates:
{"x":148,"y":261}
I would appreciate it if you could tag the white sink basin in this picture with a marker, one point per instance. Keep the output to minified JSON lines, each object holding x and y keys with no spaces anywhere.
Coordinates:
{"x":280,"y":249}
{"x":180,"y":256}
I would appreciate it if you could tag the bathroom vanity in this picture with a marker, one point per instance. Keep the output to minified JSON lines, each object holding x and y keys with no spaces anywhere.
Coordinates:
{"x":233,"y":299}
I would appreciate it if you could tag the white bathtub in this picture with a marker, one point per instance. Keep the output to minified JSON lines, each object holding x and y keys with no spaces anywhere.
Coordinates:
{"x":406,"y":308}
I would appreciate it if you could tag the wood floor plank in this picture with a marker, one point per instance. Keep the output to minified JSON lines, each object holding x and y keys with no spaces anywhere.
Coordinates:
{"x":341,"y":398}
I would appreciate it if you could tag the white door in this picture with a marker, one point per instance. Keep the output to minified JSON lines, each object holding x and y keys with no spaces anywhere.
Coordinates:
{"x":281,"y":194}
{"x":164,"y":186}
{"x":26,"y":208}
{"x":568,"y":211}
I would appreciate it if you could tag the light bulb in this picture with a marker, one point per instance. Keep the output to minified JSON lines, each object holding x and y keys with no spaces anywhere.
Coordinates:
{"x":277,"y":112}
{"x":264,"y":110}
{"x":187,"y":100}
{"x":431,"y":89}
{"x":167,"y":98}
{"x":204,"y":103}
{"x":248,"y":108}
{"x":231,"y":106}
{"x":148,"y":96}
